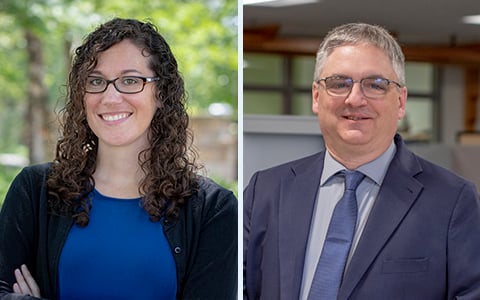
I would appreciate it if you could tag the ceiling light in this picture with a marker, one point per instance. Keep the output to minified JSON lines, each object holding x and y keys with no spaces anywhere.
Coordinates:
{"x":277,"y":3}
{"x":475,"y":19}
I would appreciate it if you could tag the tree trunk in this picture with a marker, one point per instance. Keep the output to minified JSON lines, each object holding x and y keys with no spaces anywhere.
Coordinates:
{"x":38,"y":112}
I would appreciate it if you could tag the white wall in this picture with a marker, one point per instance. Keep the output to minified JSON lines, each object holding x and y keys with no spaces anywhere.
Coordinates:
{"x":271,"y":140}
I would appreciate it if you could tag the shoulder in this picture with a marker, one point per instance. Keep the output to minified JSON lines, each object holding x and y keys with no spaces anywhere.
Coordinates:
{"x":214,"y":197}
{"x":275,"y":174}
{"x":438,"y":176}
{"x":427,"y":173}
{"x":37,"y":170}
{"x":208,"y":186}
{"x":436,"y":181}
{"x":294,"y":165}
{"x":32,"y":176}
{"x":27,"y":193}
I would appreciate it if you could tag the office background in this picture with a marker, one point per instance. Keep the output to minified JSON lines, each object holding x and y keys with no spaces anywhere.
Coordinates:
{"x":442,"y":49}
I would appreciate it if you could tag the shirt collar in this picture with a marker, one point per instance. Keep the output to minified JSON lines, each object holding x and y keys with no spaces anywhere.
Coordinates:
{"x":375,"y":170}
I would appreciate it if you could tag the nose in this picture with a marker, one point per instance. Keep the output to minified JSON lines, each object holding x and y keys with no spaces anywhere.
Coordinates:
{"x":356,"y":96}
{"x":111,"y":95}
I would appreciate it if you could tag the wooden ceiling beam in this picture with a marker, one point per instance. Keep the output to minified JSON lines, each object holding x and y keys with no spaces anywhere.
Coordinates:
{"x":441,"y":54}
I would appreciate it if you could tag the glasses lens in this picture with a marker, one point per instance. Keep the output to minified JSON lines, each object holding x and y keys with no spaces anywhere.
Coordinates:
{"x":338,"y":86}
{"x":95,"y":84}
{"x":129,"y":84}
{"x":374,"y":87}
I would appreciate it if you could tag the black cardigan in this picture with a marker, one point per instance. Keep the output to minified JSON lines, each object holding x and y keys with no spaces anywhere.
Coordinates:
{"x":203,"y":239}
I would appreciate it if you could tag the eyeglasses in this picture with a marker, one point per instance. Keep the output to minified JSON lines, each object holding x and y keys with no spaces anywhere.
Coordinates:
{"x":124,"y":84}
{"x":372,"y":87}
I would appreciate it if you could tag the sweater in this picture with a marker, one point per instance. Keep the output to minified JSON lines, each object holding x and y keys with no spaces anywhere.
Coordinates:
{"x":203,"y":239}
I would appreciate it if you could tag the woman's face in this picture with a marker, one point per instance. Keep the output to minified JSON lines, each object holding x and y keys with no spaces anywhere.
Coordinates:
{"x":119,"y":119}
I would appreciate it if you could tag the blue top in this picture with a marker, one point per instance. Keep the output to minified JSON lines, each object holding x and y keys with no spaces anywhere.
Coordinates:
{"x":121,"y":254}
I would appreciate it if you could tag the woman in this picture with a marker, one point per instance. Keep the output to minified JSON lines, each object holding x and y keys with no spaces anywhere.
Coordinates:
{"x":121,"y":212}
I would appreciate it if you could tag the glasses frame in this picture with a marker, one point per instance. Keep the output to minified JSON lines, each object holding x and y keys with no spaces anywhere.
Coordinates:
{"x":356,"y":81}
{"x":144,"y":79}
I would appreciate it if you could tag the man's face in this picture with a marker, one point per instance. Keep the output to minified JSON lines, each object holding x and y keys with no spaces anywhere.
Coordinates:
{"x":355,"y":122}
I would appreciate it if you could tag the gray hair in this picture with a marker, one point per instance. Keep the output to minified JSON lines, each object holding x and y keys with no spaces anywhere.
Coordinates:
{"x":359,"y":33}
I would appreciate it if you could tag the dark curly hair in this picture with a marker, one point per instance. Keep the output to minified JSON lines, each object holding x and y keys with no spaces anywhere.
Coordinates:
{"x":169,"y":162}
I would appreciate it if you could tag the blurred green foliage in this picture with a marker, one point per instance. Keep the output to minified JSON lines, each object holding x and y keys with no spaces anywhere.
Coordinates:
{"x":202,"y":35}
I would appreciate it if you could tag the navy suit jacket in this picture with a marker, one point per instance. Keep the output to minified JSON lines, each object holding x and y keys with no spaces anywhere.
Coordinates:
{"x":421,"y":240}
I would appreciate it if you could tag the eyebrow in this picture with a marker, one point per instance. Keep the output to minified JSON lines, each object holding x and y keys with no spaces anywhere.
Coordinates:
{"x":347,"y":76}
{"x":122,"y":73}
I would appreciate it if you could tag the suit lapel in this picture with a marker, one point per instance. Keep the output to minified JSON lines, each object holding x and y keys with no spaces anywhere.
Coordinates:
{"x":298,"y":195}
{"x":395,"y":198}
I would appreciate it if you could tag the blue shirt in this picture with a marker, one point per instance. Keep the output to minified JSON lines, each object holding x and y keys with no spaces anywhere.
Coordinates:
{"x":120,"y":254}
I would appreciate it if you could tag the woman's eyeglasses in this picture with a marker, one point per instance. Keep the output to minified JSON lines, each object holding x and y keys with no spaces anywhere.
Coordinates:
{"x":124,"y":84}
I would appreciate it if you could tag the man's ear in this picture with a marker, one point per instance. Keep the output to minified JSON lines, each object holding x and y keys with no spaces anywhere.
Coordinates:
{"x":315,"y":95}
{"x":402,"y":102}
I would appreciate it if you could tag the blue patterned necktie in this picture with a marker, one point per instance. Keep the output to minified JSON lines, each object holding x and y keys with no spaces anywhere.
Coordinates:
{"x":329,"y":273}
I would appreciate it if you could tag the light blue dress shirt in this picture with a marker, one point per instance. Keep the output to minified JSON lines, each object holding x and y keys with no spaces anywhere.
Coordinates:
{"x":330,"y":192}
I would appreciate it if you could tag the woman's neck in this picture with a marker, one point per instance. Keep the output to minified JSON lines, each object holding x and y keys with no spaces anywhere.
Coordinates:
{"x":118,"y":173}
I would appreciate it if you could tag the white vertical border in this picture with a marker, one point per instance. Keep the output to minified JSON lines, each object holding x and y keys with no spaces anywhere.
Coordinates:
{"x":240,"y":147}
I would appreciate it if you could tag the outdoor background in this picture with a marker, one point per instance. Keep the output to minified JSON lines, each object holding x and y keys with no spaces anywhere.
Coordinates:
{"x":37,"y":40}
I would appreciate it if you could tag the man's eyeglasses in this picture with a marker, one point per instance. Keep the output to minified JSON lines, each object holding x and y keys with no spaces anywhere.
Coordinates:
{"x":124,"y":84}
{"x":372,"y":87}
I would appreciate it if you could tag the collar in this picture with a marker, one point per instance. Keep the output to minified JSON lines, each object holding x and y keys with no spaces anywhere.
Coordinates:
{"x":375,"y":169}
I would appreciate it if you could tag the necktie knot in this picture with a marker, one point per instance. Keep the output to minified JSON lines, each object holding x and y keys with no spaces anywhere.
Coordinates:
{"x":352,"y":179}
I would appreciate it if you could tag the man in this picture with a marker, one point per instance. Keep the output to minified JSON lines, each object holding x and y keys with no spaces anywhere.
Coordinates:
{"x":416,"y":226}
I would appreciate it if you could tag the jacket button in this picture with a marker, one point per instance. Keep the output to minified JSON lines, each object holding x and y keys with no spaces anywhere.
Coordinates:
{"x":177,"y":250}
